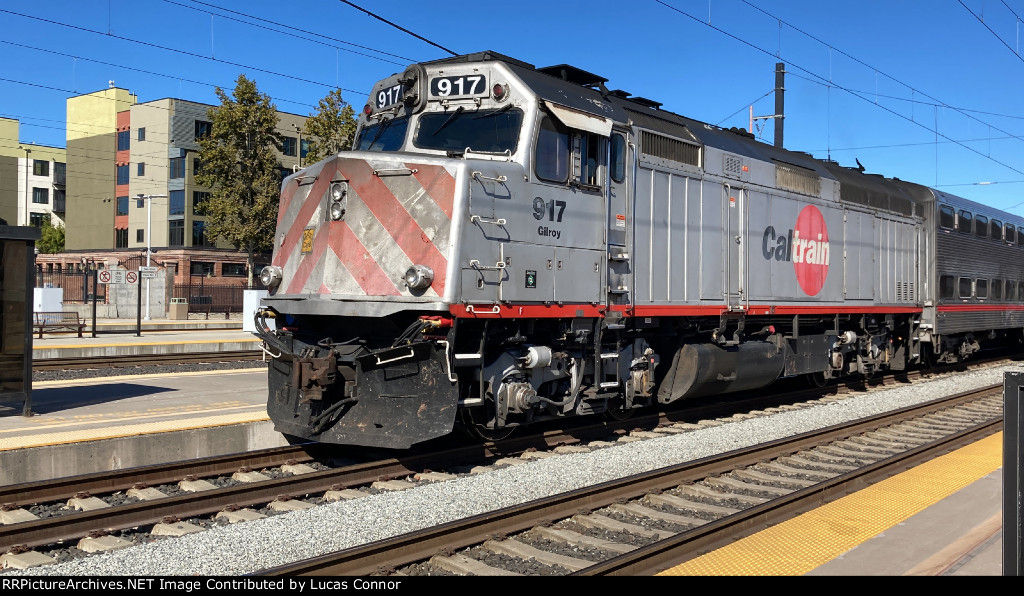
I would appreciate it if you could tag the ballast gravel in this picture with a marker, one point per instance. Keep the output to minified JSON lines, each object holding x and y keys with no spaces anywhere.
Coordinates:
{"x":252,"y":546}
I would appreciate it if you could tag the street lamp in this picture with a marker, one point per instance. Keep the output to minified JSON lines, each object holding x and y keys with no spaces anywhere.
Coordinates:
{"x":149,"y":250}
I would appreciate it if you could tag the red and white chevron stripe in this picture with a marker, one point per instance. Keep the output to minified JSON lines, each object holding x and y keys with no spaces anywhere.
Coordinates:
{"x":391,"y":223}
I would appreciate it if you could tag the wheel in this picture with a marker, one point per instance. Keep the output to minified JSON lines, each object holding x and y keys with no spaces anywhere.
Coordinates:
{"x":818,"y":379}
{"x":479,"y":431}
{"x":615,"y":410}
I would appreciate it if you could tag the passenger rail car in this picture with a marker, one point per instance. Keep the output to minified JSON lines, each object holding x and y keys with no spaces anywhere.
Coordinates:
{"x":507,"y":244}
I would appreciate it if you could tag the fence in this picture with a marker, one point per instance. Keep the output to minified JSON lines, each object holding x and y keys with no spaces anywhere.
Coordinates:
{"x":77,"y":285}
{"x":209,"y":298}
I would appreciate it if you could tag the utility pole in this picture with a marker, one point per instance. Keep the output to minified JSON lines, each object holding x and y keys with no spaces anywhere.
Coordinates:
{"x":780,"y":110}
{"x":780,"y":104}
{"x":149,"y":240}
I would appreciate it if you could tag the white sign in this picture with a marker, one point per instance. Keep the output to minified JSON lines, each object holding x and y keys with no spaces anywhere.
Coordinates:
{"x":148,"y":272}
{"x":111,"y":276}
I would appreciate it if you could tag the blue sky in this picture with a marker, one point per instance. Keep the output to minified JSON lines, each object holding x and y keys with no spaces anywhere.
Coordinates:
{"x":930,"y":91}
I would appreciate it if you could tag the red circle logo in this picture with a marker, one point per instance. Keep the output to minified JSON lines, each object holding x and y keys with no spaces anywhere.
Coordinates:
{"x":810,"y":250}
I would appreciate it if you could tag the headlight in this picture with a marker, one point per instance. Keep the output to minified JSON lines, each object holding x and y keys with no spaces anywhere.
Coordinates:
{"x":339,"y":190}
{"x":337,"y":211}
{"x":419,"y":277}
{"x":271,"y":276}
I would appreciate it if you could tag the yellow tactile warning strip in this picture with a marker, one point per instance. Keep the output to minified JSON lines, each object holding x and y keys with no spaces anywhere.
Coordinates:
{"x":806,"y":542}
{"x":95,"y":380}
{"x":116,"y":432}
{"x":149,"y":343}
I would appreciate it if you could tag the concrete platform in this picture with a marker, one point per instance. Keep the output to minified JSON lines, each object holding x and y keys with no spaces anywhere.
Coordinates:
{"x":126,"y":338}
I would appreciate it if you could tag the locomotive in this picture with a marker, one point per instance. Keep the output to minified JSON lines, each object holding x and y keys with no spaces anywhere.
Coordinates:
{"x":506,"y":244}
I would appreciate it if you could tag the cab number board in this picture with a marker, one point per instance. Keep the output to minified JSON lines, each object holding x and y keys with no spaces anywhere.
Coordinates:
{"x":458,"y":86}
{"x":390,"y":96}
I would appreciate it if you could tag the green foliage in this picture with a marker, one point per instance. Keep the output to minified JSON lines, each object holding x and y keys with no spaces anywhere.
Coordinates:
{"x":52,"y":239}
{"x":330,"y":129}
{"x":241,"y":170}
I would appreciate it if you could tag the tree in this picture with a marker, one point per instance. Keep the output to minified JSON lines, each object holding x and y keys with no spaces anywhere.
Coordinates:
{"x":331,"y":129}
{"x":241,"y":170}
{"x":52,"y":239}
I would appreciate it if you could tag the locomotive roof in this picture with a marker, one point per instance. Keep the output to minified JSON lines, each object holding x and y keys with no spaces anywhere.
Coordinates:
{"x":576,"y":88}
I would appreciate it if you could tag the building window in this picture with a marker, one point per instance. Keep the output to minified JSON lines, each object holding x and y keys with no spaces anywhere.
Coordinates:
{"x":40,"y":167}
{"x":303,"y":147}
{"x":203,"y":129}
{"x":41,"y":196}
{"x":122,"y":205}
{"x":140,"y":235}
{"x":122,"y":174}
{"x":199,"y":234}
{"x":233,"y":269}
{"x":60,"y":170}
{"x":124,"y":141}
{"x":142,"y":168}
{"x":36,"y":219}
{"x":177,"y":167}
{"x":177,"y":198}
{"x":59,"y":200}
{"x":121,"y":238}
{"x":176,"y":232}
{"x":199,"y":199}
{"x":202,"y":268}
{"x":196,"y":166}
{"x":142,"y":134}
{"x":288,"y":146}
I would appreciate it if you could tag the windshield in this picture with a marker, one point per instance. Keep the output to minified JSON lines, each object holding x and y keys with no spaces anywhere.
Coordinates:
{"x":383,"y":136}
{"x":493,"y":131}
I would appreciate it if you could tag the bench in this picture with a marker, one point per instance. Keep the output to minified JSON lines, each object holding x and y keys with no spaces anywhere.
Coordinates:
{"x":58,"y":321}
{"x":200,"y":304}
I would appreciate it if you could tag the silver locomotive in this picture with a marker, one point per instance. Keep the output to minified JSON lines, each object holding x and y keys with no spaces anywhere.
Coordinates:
{"x":507,"y":244}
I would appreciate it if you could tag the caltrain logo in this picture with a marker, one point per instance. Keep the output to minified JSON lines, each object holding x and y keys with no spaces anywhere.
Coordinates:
{"x":806,"y":245}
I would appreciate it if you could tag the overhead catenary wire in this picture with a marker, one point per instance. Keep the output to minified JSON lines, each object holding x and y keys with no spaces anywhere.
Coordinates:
{"x":399,"y":27}
{"x":833,"y":84}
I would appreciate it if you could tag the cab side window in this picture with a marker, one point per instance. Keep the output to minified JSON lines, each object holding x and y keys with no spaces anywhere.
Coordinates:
{"x":552,"y":161}
{"x":618,"y":157}
{"x":589,"y":157}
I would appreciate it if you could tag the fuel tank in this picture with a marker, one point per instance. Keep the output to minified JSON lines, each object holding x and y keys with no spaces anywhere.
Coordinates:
{"x":699,"y":370}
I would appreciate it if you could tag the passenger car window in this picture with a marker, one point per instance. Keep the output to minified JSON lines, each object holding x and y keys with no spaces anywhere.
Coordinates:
{"x":981,"y":288}
{"x":947,"y":286}
{"x":997,"y":289}
{"x":947,"y":217}
{"x":981,"y":226}
{"x":996,"y":229}
{"x":966,"y":289}
{"x":1010,"y":234}
{"x":966,"y":223}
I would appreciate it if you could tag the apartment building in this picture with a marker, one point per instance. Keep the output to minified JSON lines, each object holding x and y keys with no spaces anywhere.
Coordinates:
{"x":32,"y":179}
{"x":131,"y":180}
